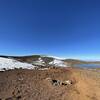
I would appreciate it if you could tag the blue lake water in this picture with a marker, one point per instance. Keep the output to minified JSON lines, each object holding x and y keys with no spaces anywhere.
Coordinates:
{"x":88,"y":65}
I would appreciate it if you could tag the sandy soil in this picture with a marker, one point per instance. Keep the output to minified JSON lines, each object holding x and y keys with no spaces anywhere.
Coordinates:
{"x":38,"y":84}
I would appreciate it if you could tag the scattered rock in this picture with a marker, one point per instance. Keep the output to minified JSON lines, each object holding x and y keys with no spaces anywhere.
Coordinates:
{"x":56,"y":82}
{"x":59,"y":82}
{"x":67,"y":82}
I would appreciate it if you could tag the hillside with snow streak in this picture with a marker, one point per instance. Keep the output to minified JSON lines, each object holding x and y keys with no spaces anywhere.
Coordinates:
{"x":7,"y":63}
{"x":58,"y":62}
{"x":29,"y":62}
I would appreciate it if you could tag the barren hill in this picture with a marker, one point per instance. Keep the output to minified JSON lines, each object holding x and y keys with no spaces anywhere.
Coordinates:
{"x":50,"y":84}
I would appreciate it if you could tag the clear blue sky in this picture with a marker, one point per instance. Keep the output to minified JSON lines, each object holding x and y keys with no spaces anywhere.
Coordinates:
{"x":65,"y":28}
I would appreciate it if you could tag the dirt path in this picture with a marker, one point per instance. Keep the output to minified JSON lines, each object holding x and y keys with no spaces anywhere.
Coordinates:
{"x":87,"y":86}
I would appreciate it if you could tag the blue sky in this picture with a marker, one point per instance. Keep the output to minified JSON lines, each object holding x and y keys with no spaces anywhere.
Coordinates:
{"x":65,"y":28}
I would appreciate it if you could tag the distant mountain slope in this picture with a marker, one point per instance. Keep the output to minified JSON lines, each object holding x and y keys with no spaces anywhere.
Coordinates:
{"x":7,"y":63}
{"x":38,"y":61}
{"x":34,"y":61}
{"x":73,"y":62}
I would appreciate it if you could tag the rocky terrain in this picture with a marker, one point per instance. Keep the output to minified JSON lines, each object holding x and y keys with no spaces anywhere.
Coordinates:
{"x":50,"y":84}
{"x":46,"y":78}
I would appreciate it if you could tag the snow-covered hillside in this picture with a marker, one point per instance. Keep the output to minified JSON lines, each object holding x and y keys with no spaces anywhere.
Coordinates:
{"x":58,"y":63}
{"x":39,"y":62}
{"x":30,"y":62}
{"x":7,"y":63}
{"x":54,"y":62}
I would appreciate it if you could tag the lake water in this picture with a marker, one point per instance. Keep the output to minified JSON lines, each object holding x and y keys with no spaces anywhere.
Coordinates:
{"x":88,"y":65}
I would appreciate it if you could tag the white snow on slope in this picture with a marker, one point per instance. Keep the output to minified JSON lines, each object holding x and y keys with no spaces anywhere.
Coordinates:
{"x":55,"y":62}
{"x":43,"y":68}
{"x":11,"y":64}
{"x":39,"y":62}
{"x":58,"y":63}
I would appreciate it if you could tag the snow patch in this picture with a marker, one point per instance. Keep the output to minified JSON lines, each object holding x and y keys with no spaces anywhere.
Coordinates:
{"x":7,"y":63}
{"x":58,"y":63}
{"x":39,"y":62}
{"x":43,"y":68}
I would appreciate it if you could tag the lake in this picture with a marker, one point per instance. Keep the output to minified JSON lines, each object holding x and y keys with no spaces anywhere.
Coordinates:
{"x":88,"y":65}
